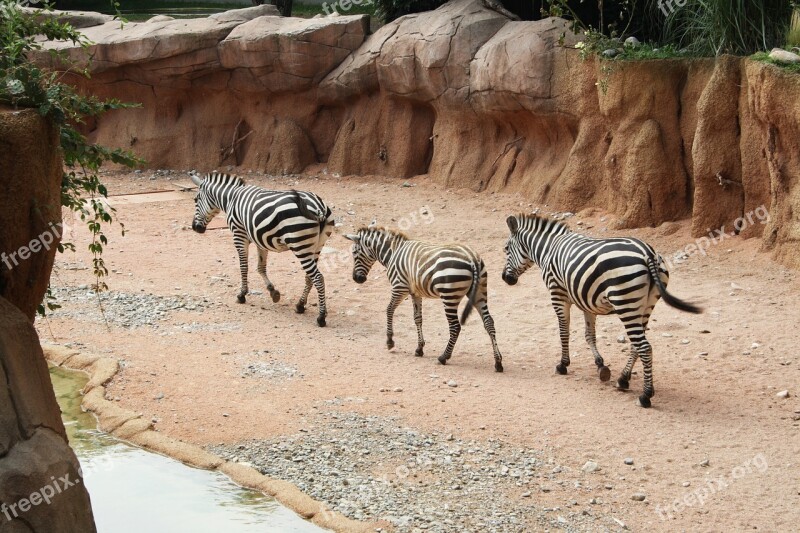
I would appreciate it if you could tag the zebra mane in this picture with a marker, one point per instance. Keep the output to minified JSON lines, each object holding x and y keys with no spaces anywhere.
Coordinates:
{"x":219,"y":177}
{"x":382,"y":229}
{"x":542,"y":222}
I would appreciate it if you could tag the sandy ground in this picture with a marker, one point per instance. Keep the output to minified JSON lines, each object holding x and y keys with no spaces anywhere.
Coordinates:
{"x":717,"y":429}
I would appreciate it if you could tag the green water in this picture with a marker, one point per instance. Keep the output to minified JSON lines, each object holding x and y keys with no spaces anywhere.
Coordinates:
{"x":135,"y":491}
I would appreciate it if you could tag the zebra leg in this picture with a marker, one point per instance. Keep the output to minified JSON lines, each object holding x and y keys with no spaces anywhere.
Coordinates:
{"x":591,"y":338}
{"x":562,"y":305}
{"x":639,"y":347}
{"x":300,"y":308}
{"x":451,"y":312}
{"x":418,"y":321}
{"x":242,"y":244}
{"x":262,"y":269}
{"x":398,"y":295}
{"x":488,"y":323}
{"x":624,"y":379}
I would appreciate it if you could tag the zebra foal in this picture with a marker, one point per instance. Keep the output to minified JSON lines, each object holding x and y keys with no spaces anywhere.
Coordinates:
{"x":275,"y":221}
{"x":426,"y":271}
{"x":622,"y":276}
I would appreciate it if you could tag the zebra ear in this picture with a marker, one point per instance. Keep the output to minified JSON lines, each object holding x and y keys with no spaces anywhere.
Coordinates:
{"x":195,"y":179}
{"x":513,"y":224}
{"x":350,"y":237}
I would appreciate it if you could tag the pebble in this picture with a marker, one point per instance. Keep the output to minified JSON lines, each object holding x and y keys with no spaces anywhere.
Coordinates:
{"x":398,"y":389}
{"x":159,"y":396}
{"x":611,"y":52}
{"x":685,"y":483}
{"x":628,"y":460}
{"x":783,"y":394}
{"x":452,"y":383}
{"x":590,"y":466}
{"x":621,"y":339}
{"x":638,"y":496}
{"x":705,"y":462}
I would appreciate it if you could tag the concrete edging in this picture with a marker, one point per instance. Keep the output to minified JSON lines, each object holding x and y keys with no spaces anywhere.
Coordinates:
{"x":132,"y":427}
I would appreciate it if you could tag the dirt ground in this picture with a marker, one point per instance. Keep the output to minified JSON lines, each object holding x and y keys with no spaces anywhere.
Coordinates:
{"x":718,"y":439}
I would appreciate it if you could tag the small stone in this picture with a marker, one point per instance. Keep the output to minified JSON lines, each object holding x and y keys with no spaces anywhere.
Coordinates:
{"x":590,"y":466}
{"x":593,"y":501}
{"x":685,"y":483}
{"x":159,"y":396}
{"x":608,"y":486}
{"x":784,"y":56}
{"x":704,"y":462}
{"x":783,"y":394}
{"x":632,"y":41}
{"x":225,"y":415}
{"x":611,"y":52}
{"x":628,"y":460}
{"x":398,"y":389}
{"x":638,"y":496}
{"x":526,"y":494}
{"x":452,"y":383}
{"x":685,"y":341}
{"x":621,"y":339}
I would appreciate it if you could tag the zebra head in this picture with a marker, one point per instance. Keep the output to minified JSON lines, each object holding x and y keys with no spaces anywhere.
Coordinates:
{"x":364,"y":254}
{"x":210,"y":192}
{"x":531,"y":239}
{"x":518,"y":258}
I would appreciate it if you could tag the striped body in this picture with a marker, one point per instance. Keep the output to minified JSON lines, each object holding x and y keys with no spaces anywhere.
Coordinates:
{"x":623,"y":276}
{"x":274,"y":221}
{"x":424,"y":270}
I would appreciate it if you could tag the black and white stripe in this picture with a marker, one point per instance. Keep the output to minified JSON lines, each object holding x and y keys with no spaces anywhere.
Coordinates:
{"x":426,"y":271}
{"x":599,"y":276}
{"x":274,"y":221}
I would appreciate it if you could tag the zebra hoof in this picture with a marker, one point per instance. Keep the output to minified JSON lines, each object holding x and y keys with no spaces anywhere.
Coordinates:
{"x":419,"y":352}
{"x":321,"y":321}
{"x":300,"y":308}
{"x":643,"y":401}
{"x":604,"y":372}
{"x":622,"y":384}
{"x":241,"y":299}
{"x":389,"y":344}
{"x":276,"y":296}
{"x":442,"y":360}
{"x":561,"y":369}
{"x":498,"y":366}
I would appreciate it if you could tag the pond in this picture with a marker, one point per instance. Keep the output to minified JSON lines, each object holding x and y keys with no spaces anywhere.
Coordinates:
{"x":133,"y":490}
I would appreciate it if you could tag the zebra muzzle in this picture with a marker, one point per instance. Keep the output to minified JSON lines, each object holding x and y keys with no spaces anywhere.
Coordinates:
{"x":359,"y":278}
{"x":510,"y":279}
{"x":198,"y":228}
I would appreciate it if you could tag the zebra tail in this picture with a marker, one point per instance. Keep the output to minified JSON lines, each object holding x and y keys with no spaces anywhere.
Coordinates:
{"x":472,"y":292}
{"x":305,"y":212}
{"x":670,"y":300}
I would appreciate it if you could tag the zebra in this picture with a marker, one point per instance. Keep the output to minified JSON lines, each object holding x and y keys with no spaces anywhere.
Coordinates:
{"x":624,"y":276}
{"x":275,"y":221}
{"x":426,"y":271}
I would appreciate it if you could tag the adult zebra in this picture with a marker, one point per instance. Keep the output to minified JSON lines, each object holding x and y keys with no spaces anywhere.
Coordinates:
{"x":426,"y":271}
{"x":600,"y":277}
{"x":274,"y":221}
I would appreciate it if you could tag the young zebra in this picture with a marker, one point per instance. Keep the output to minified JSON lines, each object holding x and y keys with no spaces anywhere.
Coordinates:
{"x":600,"y":276}
{"x":275,"y":221}
{"x":426,"y":271}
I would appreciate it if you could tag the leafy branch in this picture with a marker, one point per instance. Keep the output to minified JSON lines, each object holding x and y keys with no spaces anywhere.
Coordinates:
{"x":24,"y":84}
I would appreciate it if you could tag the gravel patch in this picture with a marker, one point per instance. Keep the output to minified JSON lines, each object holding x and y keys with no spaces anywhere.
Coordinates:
{"x":370,"y":468}
{"x":122,"y":309}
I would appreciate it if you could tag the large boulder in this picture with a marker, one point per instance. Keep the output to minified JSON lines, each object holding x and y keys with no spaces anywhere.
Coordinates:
{"x":41,"y":490}
{"x":274,"y":55}
{"x":30,"y":193}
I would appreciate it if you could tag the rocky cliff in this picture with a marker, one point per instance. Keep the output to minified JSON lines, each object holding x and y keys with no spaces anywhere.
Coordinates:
{"x":470,"y":98}
{"x":40,"y":489}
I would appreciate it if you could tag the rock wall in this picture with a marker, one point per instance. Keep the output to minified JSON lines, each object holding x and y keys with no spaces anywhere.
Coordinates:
{"x":470,"y":98}
{"x":34,"y":455}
